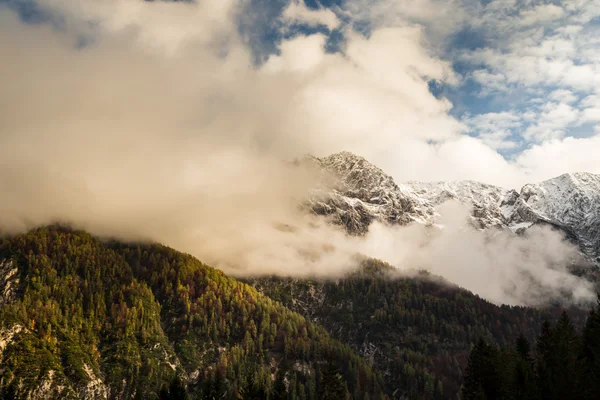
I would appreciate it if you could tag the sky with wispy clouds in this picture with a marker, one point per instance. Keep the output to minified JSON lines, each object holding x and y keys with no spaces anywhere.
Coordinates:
{"x":501,"y":91}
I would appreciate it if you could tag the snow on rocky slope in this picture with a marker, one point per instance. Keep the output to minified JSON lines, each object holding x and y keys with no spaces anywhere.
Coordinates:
{"x":483,"y":199}
{"x":570,"y":201}
{"x":363,"y":193}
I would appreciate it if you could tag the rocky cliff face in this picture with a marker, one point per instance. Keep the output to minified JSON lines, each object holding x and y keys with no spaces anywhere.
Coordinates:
{"x":363,"y":193}
{"x":570,"y":202}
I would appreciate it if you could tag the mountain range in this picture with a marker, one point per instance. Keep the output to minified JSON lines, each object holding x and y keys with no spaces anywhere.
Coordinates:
{"x":363,"y":193}
{"x":92,"y":318}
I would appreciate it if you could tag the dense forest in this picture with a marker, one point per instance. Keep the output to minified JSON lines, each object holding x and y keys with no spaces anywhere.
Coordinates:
{"x":91,"y":319}
{"x":563,"y":365}
{"x":87,"y":318}
{"x":416,"y":330}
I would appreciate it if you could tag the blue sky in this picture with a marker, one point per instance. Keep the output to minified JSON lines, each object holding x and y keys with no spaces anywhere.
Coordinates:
{"x":521,"y":78}
{"x":514,"y":31}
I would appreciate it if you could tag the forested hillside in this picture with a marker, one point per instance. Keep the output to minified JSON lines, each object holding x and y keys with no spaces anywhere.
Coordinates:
{"x":417,"y":330}
{"x":84,"y":318}
{"x":563,"y":365}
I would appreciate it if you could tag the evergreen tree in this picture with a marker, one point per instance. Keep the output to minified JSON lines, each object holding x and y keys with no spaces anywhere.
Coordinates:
{"x":254,"y":389}
{"x":590,"y":354}
{"x":567,"y":369}
{"x":175,"y":391}
{"x":482,"y":379}
{"x":331,"y":386}
{"x":279,"y":391}
{"x":215,"y":388}
{"x":545,"y":362}
{"x":524,"y":386}
{"x":523,"y":348}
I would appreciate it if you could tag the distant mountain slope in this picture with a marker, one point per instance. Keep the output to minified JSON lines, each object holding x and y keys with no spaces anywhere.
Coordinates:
{"x":363,"y":193}
{"x":417,"y":330}
{"x":88,"y":319}
{"x":571,"y":201}
{"x":484,"y":199}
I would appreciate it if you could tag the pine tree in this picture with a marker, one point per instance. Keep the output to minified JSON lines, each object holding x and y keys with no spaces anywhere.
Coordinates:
{"x":482,"y":379}
{"x":545,"y":362}
{"x":590,"y":353}
{"x":254,"y":390}
{"x":215,"y":388}
{"x":331,"y":386}
{"x":567,"y":373}
{"x":279,"y":390}
{"x":523,"y":348}
{"x":175,"y":391}
{"x":524,"y":383}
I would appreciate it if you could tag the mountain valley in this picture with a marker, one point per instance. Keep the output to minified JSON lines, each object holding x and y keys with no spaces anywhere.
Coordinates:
{"x":97,"y":318}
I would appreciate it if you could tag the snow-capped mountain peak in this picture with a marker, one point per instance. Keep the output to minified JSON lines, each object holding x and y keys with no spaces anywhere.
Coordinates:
{"x":364,"y":193}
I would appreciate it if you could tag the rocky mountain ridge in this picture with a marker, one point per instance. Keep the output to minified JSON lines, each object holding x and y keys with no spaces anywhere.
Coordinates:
{"x":363,"y":193}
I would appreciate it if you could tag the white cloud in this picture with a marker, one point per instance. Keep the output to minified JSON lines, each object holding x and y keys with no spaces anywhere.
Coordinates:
{"x":496,"y":120}
{"x":584,"y":10}
{"x":298,"y":12}
{"x":327,"y":102}
{"x":440,"y":17}
{"x":553,"y":48}
{"x":548,"y":54}
{"x":300,"y":54}
{"x":162,"y":26}
{"x":569,"y":30}
{"x":499,"y":266}
{"x":562,"y":96}
{"x":490,"y":82}
{"x":543,"y":45}
{"x":559,"y":156}
{"x":541,"y":13}
{"x":164,"y":129}
{"x":495,"y":129}
{"x":591,"y":108}
{"x":498,"y":139}
{"x":552,"y":122}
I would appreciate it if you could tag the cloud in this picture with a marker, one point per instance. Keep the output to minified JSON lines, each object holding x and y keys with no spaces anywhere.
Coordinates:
{"x":300,"y":54}
{"x":377,"y":84}
{"x":537,"y":50}
{"x":559,"y":156}
{"x":541,"y":13}
{"x":490,"y":82}
{"x":584,"y":10}
{"x":162,"y":26}
{"x":562,"y":96}
{"x":163,"y":128}
{"x":298,"y":12}
{"x":495,"y":129}
{"x":591,"y":108}
{"x":501,"y":267}
{"x":552,"y":122}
